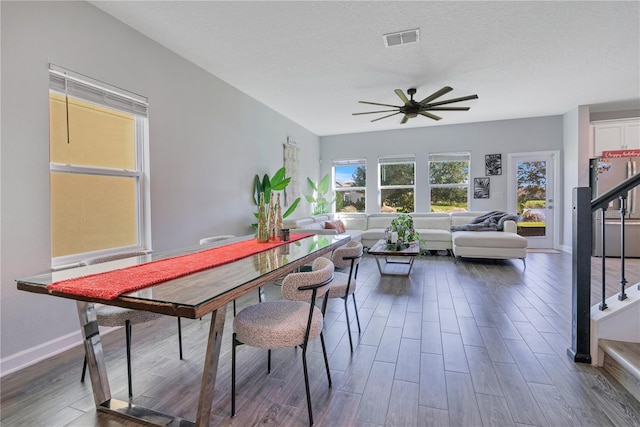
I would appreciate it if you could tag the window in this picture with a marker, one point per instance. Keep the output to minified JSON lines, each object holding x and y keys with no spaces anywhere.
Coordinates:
{"x":97,"y":138}
{"x":397,"y":184}
{"x":449,"y":181}
{"x":349,"y":184}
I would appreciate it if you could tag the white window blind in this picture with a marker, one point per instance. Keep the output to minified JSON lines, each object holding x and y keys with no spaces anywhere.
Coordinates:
{"x":83,"y":87}
{"x":397,"y":159}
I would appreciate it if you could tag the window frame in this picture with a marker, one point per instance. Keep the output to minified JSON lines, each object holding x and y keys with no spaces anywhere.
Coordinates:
{"x":396,"y":160}
{"x":141,"y":161}
{"x":336,"y":190}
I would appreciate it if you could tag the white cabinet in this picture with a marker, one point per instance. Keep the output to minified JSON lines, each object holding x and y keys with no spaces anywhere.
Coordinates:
{"x":616,"y":135}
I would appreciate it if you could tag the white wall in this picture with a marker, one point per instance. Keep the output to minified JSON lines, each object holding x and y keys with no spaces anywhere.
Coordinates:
{"x":577,"y":143}
{"x":208,"y":140}
{"x":505,"y":136}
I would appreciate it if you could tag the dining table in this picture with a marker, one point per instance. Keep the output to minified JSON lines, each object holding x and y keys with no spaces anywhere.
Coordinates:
{"x":190,"y":295}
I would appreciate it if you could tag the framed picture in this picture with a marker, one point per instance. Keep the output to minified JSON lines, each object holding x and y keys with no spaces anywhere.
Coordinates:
{"x":493,"y":164}
{"x":480,"y":188}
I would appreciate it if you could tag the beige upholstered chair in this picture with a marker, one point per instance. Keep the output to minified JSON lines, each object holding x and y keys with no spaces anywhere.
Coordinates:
{"x":108,"y":315}
{"x":343,"y":285}
{"x":285,"y":323}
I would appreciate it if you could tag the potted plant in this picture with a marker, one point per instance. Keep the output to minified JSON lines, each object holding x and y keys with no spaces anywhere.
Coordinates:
{"x":277,"y":182}
{"x":403,"y":225}
{"x":319,"y":203}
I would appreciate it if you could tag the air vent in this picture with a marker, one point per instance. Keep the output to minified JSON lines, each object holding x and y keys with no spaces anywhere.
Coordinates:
{"x":402,"y":37}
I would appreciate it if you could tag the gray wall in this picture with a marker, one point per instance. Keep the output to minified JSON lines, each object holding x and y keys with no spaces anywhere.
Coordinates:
{"x":506,"y":136}
{"x":207,"y":141}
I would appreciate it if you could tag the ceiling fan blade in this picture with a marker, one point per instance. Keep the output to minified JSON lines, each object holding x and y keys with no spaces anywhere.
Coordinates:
{"x":449,"y":101}
{"x":431,"y":116}
{"x":437,"y":94}
{"x":402,"y":96}
{"x":384,"y":117}
{"x":377,"y":103}
{"x":447,"y":109}
{"x":371,"y":112}
{"x":404,"y":120}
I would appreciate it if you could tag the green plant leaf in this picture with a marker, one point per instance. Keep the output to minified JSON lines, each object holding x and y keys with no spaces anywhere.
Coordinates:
{"x":312,"y":185}
{"x":291,"y":208}
{"x":278,"y":177}
{"x":266,"y":187}
{"x":281,"y":185}
{"x":310,"y":199}
{"x":257,"y":189}
{"x":323,"y":185}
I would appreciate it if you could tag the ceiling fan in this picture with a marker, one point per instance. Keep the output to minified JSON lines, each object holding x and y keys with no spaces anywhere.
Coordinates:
{"x":412,"y":108}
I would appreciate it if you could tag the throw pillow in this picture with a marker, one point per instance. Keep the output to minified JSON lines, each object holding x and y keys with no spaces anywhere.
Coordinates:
{"x":335,"y":225}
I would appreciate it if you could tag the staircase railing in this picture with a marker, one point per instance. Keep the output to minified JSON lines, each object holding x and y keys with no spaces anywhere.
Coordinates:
{"x":582,"y":234}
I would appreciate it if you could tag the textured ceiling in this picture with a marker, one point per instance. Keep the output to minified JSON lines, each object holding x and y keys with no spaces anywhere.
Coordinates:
{"x":313,"y":60}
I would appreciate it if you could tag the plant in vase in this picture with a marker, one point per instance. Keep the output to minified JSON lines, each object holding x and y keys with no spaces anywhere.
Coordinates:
{"x":268,"y":185}
{"x":403,"y":226}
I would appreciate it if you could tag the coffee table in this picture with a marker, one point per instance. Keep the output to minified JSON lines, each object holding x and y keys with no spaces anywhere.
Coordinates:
{"x":380,"y":250}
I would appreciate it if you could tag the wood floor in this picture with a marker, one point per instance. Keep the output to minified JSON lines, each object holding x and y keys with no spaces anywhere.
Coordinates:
{"x":467,"y":343}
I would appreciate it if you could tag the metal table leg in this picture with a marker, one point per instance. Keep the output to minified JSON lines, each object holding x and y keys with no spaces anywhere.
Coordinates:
{"x":100,"y":381}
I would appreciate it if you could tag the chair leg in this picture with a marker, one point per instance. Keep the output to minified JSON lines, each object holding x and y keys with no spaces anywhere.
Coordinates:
{"x":326,"y":359}
{"x":127,"y":328}
{"x":306,"y":384}
{"x":84,"y":369}
{"x":346,"y":313}
{"x":269,"y":361}
{"x":180,"y":337}
{"x":233,"y":376}
{"x":260,"y":294}
{"x":356,"y":309}
{"x":234,"y":308}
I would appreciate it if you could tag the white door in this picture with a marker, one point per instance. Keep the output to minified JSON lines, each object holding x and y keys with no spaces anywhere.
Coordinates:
{"x":532,"y":190}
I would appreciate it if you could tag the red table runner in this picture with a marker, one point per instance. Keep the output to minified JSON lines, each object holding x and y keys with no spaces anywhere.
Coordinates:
{"x":111,"y":284}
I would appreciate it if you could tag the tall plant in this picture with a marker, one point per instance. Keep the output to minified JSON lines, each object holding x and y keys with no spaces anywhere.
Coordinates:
{"x":278,"y":182}
{"x":318,"y":201}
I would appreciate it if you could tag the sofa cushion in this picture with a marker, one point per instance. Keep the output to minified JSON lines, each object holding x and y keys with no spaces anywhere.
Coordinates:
{"x":382,"y":221}
{"x":435,"y":221}
{"x":434,"y":235}
{"x":353,"y":220}
{"x":335,"y":225}
{"x":488,"y":239}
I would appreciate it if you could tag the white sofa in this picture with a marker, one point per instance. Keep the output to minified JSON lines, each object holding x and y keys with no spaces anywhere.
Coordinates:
{"x":435,"y":232}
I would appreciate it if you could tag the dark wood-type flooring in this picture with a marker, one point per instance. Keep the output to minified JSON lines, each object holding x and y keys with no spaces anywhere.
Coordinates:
{"x":467,"y":343}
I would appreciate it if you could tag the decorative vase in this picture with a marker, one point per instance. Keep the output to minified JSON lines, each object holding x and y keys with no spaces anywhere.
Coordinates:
{"x":272,"y":219}
{"x":263,"y":232}
{"x":278,"y":216}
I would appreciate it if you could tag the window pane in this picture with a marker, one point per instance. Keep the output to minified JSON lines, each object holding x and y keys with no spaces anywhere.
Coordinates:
{"x":397,"y":200}
{"x":98,"y":136}
{"x":90,"y":212}
{"x":350,"y":176}
{"x":449,"y":199}
{"x":350,"y":181}
{"x":350,"y":201}
{"x":397,"y":174}
{"x":449,"y":172}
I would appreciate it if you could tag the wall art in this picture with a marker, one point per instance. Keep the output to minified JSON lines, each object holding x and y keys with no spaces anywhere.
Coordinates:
{"x":493,"y":164}
{"x":481,"y":188}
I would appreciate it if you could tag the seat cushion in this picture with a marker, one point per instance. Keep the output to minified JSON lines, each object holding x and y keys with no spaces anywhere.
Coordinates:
{"x":276,"y":324}
{"x":109,"y":315}
{"x":488,"y":239}
{"x":338,"y":286}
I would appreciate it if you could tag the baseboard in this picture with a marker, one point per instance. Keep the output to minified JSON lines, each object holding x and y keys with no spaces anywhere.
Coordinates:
{"x":565,"y":248}
{"x":33,"y":355}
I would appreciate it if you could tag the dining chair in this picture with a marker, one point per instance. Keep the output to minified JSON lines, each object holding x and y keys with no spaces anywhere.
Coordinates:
{"x":343,"y":284}
{"x":112,"y":316}
{"x":212,"y":239}
{"x":291,"y":322}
